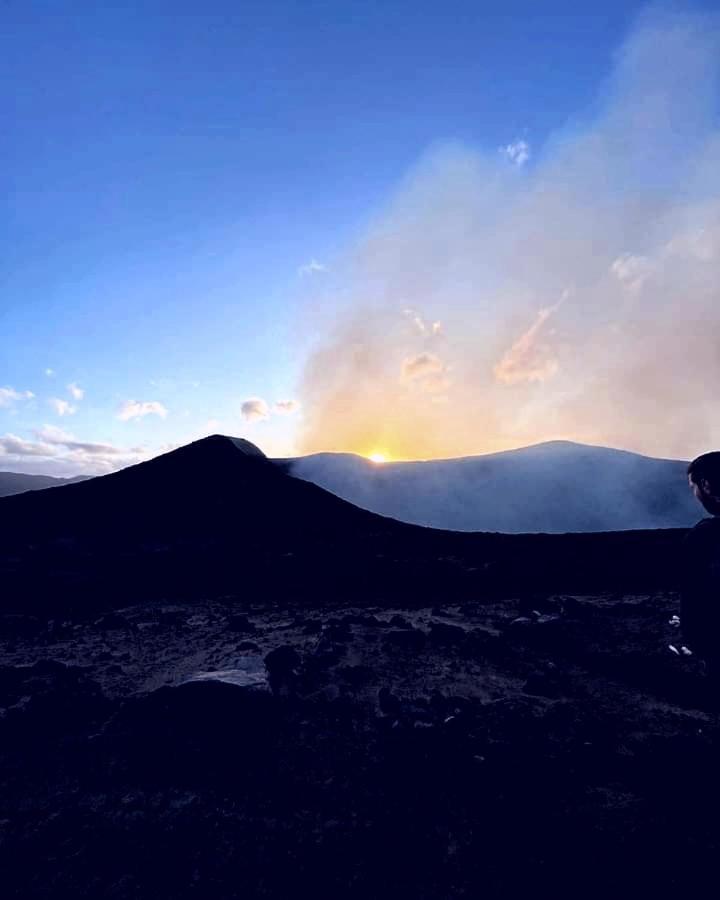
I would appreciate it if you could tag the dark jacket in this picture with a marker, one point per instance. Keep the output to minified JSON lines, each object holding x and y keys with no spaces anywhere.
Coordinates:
{"x":700,"y":601}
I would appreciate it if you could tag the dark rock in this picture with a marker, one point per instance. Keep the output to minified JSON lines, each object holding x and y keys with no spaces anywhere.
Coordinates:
{"x":442,"y":633}
{"x":356,"y":676}
{"x":282,"y":660}
{"x":313,"y":627}
{"x":48,"y":699}
{"x":248,"y":646}
{"x":398,"y":621}
{"x":19,"y":626}
{"x":388,"y":703}
{"x":413,"y":639}
{"x":241,"y":624}
{"x":282,"y":666}
{"x":171,"y":617}
{"x":113,"y":622}
{"x":195,"y":732}
{"x":326,"y":653}
{"x":337,"y":630}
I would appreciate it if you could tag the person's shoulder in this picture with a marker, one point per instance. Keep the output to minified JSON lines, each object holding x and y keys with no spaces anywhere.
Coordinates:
{"x":708,"y":525}
{"x":706,"y":532}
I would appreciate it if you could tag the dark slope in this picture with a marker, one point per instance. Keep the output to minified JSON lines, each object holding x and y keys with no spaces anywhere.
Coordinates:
{"x":18,"y":482}
{"x":217,"y":517}
{"x":554,"y":487}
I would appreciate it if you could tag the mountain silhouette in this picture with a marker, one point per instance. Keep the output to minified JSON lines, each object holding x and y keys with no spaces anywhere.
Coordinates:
{"x":18,"y":482}
{"x":218,"y":517}
{"x":557,"y":487}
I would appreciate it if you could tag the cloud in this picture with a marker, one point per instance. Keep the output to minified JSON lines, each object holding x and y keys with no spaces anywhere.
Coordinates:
{"x":286,"y":407}
{"x":138,"y":409}
{"x":62,"y":407}
{"x":624,"y":209}
{"x":632,"y":271}
{"x":55,"y":451}
{"x":428,"y":329}
{"x":49,"y":434}
{"x":254,"y":409}
{"x":76,"y":392}
{"x":12,"y":445}
{"x":415,"y":367}
{"x":50,"y":373}
{"x":528,"y":358}
{"x":311,"y":268}
{"x":518,"y":152}
{"x":9,"y":397}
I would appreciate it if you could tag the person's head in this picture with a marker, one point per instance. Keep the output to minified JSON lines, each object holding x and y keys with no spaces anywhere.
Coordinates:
{"x":704,"y":480}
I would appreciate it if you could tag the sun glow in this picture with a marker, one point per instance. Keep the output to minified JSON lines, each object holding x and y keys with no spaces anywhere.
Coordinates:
{"x":377,"y":457}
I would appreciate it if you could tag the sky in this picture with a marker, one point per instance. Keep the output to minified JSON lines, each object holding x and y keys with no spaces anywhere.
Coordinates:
{"x":407,"y":228}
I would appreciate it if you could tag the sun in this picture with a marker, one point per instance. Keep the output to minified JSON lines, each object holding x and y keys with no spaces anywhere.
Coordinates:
{"x":377,"y":457}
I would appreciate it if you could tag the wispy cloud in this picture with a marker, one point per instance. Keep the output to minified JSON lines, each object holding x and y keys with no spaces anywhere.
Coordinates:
{"x":138,"y":409}
{"x":75,"y":391}
{"x":9,"y":397}
{"x":632,"y":271}
{"x":50,"y":373}
{"x":421,"y":365}
{"x":529,"y":359}
{"x":286,"y":407}
{"x":518,"y":152}
{"x":254,"y":409}
{"x":62,"y":407}
{"x":311,"y":268}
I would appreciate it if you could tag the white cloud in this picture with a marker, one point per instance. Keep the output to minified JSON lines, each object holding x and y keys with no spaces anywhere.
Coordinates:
{"x":702,"y":244}
{"x":311,"y":268}
{"x":62,"y":407}
{"x":50,"y":434}
{"x":286,"y":407}
{"x":58,"y":452}
{"x":254,"y":409}
{"x":137,"y":409}
{"x":518,"y":152}
{"x":50,"y":373}
{"x":76,"y":392}
{"x":9,"y":396}
{"x":12,"y":445}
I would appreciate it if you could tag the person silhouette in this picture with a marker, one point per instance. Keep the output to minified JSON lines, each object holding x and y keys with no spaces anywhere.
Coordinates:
{"x":700,"y":596}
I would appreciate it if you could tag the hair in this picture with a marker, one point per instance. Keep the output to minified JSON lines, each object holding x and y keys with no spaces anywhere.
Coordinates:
{"x":706,"y":468}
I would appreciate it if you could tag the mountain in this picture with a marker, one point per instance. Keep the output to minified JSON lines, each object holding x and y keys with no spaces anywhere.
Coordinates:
{"x":18,"y":482}
{"x":219,"y":679}
{"x":217,"y":517}
{"x":553,"y":487}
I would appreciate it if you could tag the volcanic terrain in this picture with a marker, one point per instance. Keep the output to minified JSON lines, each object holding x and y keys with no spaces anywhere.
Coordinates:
{"x":220,"y":681}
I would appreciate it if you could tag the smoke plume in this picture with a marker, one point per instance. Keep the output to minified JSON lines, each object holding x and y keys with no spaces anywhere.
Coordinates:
{"x":574,"y":296}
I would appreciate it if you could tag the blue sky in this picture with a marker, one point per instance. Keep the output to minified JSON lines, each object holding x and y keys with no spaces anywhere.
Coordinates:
{"x":170,"y":170}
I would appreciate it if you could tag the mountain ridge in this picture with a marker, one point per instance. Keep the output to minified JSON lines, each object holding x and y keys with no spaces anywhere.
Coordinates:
{"x":214,"y":517}
{"x":554,"y":487}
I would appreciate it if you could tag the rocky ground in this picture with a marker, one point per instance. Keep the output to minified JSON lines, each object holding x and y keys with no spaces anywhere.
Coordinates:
{"x":220,"y":750}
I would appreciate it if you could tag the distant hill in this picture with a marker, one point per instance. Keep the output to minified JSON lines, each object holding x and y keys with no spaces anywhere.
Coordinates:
{"x":17,"y":482}
{"x":217,"y":518}
{"x":553,"y":487}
